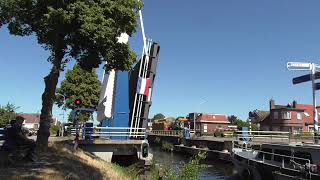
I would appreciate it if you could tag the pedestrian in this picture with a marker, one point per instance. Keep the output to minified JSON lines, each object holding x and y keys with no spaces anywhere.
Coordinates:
{"x":76,"y":141}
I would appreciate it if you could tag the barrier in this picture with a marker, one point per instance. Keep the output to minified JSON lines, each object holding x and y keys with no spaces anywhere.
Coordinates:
{"x":177,"y":133}
{"x":108,"y":132}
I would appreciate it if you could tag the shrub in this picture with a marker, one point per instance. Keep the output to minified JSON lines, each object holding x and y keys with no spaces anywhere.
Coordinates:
{"x":167,"y":146}
{"x":54,"y":129}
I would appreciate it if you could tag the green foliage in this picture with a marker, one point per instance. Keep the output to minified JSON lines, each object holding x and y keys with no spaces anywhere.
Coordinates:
{"x":86,"y":31}
{"x":190,"y":171}
{"x":157,"y":140}
{"x":158,"y":116}
{"x":54,"y":129}
{"x":232,"y":119}
{"x":192,"y":168}
{"x":79,"y":84}
{"x":7,"y":113}
{"x":166,"y":146}
{"x":131,"y":171}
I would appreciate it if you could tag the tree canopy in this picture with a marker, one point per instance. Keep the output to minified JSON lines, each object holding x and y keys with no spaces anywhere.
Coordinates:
{"x":158,"y":116}
{"x":232,"y":119}
{"x":7,"y":113}
{"x":79,"y":84}
{"x":86,"y":31}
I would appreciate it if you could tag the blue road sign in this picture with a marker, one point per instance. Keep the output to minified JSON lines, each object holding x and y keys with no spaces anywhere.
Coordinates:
{"x":317,"y":86}
{"x":305,"y":78}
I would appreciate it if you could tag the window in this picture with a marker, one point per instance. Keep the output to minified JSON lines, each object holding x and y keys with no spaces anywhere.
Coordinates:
{"x":286,"y":115}
{"x":205,"y":128}
{"x":275,"y":115}
{"x":299,"y":117}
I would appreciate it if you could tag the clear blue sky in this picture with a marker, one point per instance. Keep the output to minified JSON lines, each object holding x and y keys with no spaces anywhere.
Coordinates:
{"x":219,"y":56}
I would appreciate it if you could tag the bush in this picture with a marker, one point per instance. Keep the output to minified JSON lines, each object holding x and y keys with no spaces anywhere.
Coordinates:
{"x":190,"y":170}
{"x":167,"y":146}
{"x":157,"y":140}
{"x":54,"y":129}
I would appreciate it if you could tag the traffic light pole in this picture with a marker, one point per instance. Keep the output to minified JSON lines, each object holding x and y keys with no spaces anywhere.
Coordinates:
{"x":315,"y":113}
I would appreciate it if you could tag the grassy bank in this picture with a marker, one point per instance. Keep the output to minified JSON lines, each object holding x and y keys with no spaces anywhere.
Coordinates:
{"x":60,"y":162}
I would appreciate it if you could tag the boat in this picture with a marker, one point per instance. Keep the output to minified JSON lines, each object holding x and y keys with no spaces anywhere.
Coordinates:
{"x":277,"y":161}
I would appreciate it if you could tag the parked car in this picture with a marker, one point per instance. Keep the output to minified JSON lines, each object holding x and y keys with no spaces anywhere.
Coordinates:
{"x":27,"y":131}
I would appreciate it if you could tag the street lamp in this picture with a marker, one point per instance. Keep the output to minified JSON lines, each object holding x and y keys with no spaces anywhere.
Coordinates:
{"x":194,"y":119}
{"x":64,"y":105}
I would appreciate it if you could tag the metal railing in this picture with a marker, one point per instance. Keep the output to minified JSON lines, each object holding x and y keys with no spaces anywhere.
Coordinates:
{"x":274,"y":136}
{"x":284,"y":163}
{"x":177,"y":133}
{"x":108,"y":131}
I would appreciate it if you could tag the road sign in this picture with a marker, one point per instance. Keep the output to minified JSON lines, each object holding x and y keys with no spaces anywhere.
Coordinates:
{"x":317,"y":86}
{"x":305,"y":78}
{"x":299,"y":66}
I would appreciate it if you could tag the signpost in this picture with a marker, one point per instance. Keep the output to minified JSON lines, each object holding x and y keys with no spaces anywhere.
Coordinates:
{"x":313,"y":68}
{"x":305,"y":78}
{"x":299,"y":66}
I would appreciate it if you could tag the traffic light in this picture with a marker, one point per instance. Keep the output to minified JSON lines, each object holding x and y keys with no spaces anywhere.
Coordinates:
{"x":78,"y":102}
{"x":145,"y":150}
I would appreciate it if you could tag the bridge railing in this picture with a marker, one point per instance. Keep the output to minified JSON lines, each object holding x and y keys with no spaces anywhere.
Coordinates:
{"x":177,"y":133}
{"x":275,"y":136}
{"x":108,"y":132}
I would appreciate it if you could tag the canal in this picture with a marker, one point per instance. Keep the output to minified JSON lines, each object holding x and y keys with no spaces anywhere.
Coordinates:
{"x":215,"y":169}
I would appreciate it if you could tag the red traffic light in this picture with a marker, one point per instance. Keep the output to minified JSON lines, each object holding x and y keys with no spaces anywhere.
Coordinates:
{"x":78,"y":102}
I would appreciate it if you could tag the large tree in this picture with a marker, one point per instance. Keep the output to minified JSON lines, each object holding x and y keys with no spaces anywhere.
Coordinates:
{"x":79,"y":84}
{"x":72,"y":29}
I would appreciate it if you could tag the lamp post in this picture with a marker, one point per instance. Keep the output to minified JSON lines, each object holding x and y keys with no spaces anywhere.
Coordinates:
{"x":194,"y":120}
{"x":64,"y":105}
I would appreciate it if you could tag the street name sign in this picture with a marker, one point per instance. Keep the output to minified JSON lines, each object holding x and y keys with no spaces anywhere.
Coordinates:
{"x":305,"y":78}
{"x":317,"y":86}
{"x":299,"y":66}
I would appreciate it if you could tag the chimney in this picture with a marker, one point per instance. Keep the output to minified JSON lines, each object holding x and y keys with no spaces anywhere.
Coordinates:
{"x":294,"y":104}
{"x":271,"y":103}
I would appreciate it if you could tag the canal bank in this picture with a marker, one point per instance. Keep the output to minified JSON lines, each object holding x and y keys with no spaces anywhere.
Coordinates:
{"x":213,"y":169}
{"x":216,"y":148}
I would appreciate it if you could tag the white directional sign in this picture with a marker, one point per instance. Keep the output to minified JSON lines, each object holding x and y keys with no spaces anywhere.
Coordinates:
{"x":299,"y":66}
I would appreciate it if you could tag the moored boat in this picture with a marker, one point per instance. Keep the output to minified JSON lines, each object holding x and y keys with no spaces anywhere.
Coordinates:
{"x":278,"y":161}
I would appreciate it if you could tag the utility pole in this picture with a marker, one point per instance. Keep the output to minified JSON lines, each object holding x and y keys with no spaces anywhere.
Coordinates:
{"x":313,"y":69}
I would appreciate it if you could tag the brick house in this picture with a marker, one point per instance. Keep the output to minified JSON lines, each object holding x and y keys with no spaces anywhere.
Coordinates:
{"x":292,"y":117}
{"x":32,"y":120}
{"x":208,"y":123}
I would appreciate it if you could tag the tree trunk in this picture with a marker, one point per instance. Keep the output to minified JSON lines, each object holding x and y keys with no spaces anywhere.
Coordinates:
{"x":48,"y":95}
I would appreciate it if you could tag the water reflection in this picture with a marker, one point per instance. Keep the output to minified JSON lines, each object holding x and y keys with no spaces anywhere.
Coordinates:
{"x":215,"y":169}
